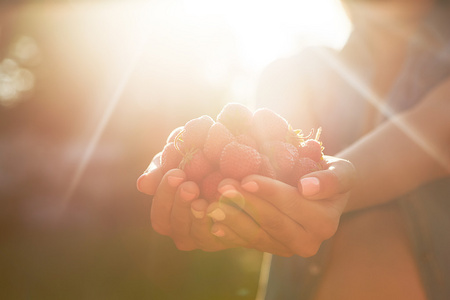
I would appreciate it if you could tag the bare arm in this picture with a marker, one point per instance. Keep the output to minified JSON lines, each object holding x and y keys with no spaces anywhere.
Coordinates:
{"x":404,"y":153}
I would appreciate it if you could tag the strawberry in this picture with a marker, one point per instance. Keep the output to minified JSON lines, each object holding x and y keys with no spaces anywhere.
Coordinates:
{"x":218,"y":137}
{"x":303,"y":166}
{"x":266,"y":168}
{"x":246,"y":139}
{"x":282,"y":156}
{"x":195,"y":133}
{"x":170,"y":157}
{"x":236,"y":117}
{"x":209,"y":184}
{"x":268,"y":125}
{"x":174,"y":134}
{"x":312,"y":149}
{"x":196,"y":165}
{"x":238,"y":160}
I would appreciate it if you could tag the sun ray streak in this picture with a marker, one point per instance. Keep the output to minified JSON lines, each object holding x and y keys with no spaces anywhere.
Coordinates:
{"x":367,"y":94}
{"x":103,"y":122}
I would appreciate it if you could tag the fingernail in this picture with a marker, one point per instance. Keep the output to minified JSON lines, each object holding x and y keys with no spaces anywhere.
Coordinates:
{"x":218,"y":232}
{"x":231,"y":195}
{"x":197,"y":214}
{"x":250,"y":186}
{"x":186,"y":195}
{"x":228,"y":191}
{"x":217,"y":215}
{"x":310,"y":186}
{"x":174,"y":181}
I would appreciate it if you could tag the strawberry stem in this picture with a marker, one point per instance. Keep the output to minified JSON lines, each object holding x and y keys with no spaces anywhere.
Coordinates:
{"x":318,"y":133}
{"x":311,"y":133}
{"x":177,"y":139}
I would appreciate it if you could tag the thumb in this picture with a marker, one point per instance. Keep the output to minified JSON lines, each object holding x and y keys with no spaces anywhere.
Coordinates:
{"x":339,"y":177}
{"x":148,"y":182}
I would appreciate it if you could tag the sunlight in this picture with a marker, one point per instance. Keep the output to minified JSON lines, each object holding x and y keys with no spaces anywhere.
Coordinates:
{"x":266,"y":30}
{"x":369,"y":95}
{"x":222,"y":45}
{"x":127,"y":67}
{"x":15,"y":77}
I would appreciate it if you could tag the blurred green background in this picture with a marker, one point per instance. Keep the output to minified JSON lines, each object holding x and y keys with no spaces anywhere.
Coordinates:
{"x":89,"y":91}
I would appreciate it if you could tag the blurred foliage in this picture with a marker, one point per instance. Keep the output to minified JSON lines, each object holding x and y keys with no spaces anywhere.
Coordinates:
{"x":102,"y":245}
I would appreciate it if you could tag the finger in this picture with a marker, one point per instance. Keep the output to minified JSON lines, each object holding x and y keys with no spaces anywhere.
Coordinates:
{"x":198,"y":209}
{"x":231,"y":222}
{"x":163,"y":200}
{"x":262,"y":224}
{"x":155,"y":163}
{"x":148,"y":182}
{"x":180,"y":218}
{"x":206,"y":234}
{"x":338,"y":178}
{"x":318,"y":219}
{"x":284,"y":197}
{"x":231,"y":239}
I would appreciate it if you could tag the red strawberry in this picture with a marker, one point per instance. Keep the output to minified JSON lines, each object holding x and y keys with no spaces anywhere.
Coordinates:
{"x":312,"y":149}
{"x":236,"y":117}
{"x":246,"y":139}
{"x":303,"y":166}
{"x":170,"y":157}
{"x":268,"y":125}
{"x":196,"y":165}
{"x":266,"y":168}
{"x":238,"y":161}
{"x":174,"y":134}
{"x":195,"y":133}
{"x":208,"y":187}
{"x":218,"y":137}
{"x":282,"y":156}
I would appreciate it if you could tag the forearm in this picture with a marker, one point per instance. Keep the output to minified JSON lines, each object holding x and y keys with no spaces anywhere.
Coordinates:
{"x":401,"y":155}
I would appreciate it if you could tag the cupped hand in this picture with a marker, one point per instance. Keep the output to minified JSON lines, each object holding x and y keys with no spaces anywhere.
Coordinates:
{"x":178,"y":212}
{"x":290,"y":221}
{"x":259,"y":212}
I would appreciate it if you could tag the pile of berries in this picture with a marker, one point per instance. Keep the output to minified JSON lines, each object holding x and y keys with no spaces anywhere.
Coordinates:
{"x":240,"y":143}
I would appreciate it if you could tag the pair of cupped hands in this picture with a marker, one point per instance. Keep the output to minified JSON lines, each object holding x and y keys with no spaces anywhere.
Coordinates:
{"x":259,"y":212}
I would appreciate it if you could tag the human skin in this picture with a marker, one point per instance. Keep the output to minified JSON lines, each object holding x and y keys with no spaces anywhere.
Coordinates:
{"x":277,"y":218}
{"x":371,"y":256}
{"x":409,"y":151}
{"x":178,"y":213}
{"x":396,"y":168}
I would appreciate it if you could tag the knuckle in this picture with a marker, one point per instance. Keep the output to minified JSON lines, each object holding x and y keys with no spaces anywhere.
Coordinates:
{"x":204,"y":243}
{"x":326,"y":229}
{"x":273,"y":223}
{"x":258,"y":238}
{"x":290,"y":205}
{"x":161,"y":229}
{"x":309,"y":251}
{"x":184,"y":246}
{"x":305,"y":248}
